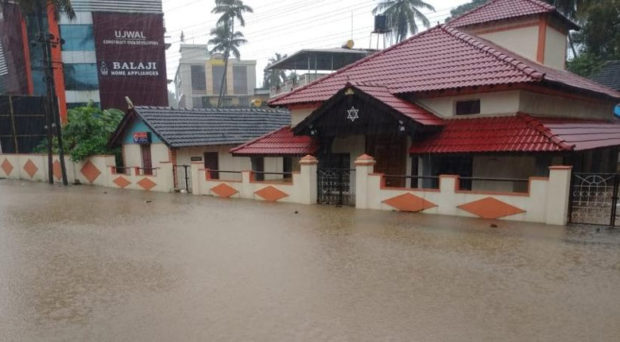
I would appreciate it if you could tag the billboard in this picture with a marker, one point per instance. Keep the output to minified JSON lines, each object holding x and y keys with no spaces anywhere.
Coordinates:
{"x":131,"y":59}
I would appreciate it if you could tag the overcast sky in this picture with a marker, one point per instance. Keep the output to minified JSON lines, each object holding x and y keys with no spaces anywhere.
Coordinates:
{"x":283,"y":26}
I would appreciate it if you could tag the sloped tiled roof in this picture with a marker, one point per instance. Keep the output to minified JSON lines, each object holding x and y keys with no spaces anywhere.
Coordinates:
{"x":495,"y":10}
{"x":411,"y":110}
{"x":439,"y":59}
{"x":609,"y":75}
{"x":520,"y":133}
{"x":211,"y":126}
{"x":279,"y":142}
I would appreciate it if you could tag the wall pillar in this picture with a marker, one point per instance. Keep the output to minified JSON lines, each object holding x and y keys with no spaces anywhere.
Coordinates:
{"x":364,"y":166}
{"x":308,"y":179}
{"x":165,"y":176}
{"x":558,"y":195}
{"x":246,"y":191}
{"x":196,"y":177}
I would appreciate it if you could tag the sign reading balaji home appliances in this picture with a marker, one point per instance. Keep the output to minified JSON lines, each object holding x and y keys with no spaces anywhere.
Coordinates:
{"x":130,"y":59}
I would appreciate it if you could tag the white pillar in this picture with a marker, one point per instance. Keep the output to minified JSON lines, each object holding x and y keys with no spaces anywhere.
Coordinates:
{"x":197,"y":177}
{"x":165,"y":177}
{"x":308,"y":180}
{"x":558,"y":194}
{"x":364,"y":166}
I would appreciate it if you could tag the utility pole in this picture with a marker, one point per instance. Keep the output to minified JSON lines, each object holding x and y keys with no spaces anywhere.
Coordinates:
{"x":47,"y":41}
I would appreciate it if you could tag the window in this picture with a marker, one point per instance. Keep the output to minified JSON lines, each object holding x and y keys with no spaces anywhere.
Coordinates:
{"x":212,"y":163}
{"x":258,"y":167}
{"x":199,"y":79}
{"x":240,"y":79}
{"x":81,"y":77}
{"x":287,"y":167}
{"x":218,"y":73}
{"x":77,"y":37}
{"x":468,"y":107}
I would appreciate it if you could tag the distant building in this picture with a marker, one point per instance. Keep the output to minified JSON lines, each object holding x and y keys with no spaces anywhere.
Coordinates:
{"x":199,"y":77}
{"x":112,"y":49}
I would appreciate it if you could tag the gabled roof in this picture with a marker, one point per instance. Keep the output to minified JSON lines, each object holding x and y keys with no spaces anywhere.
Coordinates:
{"x":208,"y":126}
{"x":281,"y":142}
{"x":441,"y":58}
{"x":520,"y":133}
{"x":495,"y":10}
{"x":609,"y":75}
{"x":408,"y":109}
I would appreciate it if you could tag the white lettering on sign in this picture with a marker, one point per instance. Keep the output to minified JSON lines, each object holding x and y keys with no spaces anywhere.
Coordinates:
{"x":129,"y":35}
{"x":129,"y":69}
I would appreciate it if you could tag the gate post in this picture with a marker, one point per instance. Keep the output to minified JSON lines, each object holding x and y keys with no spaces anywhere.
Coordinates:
{"x":364,"y":166}
{"x":196,"y":179}
{"x":558,"y":194}
{"x":308,"y":179}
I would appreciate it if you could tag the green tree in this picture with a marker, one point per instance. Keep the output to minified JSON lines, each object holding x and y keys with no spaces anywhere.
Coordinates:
{"x":274,"y":78}
{"x":223,"y":42}
{"x":87,"y":132}
{"x":29,"y":7}
{"x":230,"y":11}
{"x":403,"y":16}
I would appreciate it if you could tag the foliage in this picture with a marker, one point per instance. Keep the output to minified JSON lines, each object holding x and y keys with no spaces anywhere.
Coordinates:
{"x":462,"y":9}
{"x":402,"y":16}
{"x":222,"y":41}
{"x":274,"y":78}
{"x":231,"y":10}
{"x":87,"y":132}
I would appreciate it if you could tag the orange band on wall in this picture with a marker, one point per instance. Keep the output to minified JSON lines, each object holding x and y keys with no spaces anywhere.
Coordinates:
{"x":59,"y":78}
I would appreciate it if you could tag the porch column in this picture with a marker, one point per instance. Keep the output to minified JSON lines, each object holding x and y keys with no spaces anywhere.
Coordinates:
{"x":197,"y":177}
{"x":558,"y":194}
{"x":308,"y":179}
{"x":364,"y":166}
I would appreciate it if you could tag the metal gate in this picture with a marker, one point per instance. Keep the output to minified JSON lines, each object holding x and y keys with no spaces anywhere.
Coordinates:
{"x":335,"y":186}
{"x":183,"y":177}
{"x":594,"y":198}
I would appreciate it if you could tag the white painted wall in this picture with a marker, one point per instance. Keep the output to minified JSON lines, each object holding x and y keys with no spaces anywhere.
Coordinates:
{"x":548,"y":105}
{"x":297,"y":115}
{"x":555,"y":49}
{"x":495,"y":103}
{"x":523,"y":40}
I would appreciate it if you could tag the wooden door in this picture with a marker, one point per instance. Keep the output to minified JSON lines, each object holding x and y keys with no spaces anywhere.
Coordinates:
{"x":390,"y":153}
{"x":147,"y":162}
{"x":212,"y":164}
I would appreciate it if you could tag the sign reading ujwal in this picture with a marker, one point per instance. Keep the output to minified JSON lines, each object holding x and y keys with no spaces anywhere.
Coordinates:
{"x":131,"y":59}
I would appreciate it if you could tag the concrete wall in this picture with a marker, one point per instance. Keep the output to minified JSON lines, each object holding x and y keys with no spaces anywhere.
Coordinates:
{"x":545,"y":202}
{"x":556,"y":44}
{"x":298,"y":114}
{"x":521,"y":40}
{"x":549,"y":105}
{"x":96,"y":170}
{"x":301,"y":188}
{"x":496,"y":103}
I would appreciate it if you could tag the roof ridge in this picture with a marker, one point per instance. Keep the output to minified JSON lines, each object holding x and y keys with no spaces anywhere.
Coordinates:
{"x":543,"y":5}
{"x":504,"y":56}
{"x":354,"y":64}
{"x":534,"y":123}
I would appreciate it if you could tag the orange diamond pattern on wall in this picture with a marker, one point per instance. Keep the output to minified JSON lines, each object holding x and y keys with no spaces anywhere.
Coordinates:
{"x":224,"y":190}
{"x":271,"y":194}
{"x":7,"y":167}
{"x":121,"y":182}
{"x":409,"y":202}
{"x":491,"y":208}
{"x":30,"y":168}
{"x":57,"y":170}
{"x":90,"y":171}
{"x":147,"y":184}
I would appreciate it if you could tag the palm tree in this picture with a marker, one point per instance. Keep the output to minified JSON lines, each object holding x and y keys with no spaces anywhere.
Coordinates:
{"x":28,"y":7}
{"x":222,"y":41}
{"x":402,"y":15}
{"x":230,"y":11}
{"x":274,"y":78}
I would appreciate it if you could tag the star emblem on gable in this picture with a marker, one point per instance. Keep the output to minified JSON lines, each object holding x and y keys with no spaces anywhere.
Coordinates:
{"x":352,"y":114}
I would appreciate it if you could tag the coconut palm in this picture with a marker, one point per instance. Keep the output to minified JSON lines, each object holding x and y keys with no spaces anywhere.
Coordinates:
{"x":28,"y":7}
{"x":274,"y":78}
{"x":223,"y":42}
{"x":403,"y":16}
{"x":230,"y":11}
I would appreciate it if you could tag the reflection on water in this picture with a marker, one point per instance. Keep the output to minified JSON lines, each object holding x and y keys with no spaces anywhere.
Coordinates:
{"x":87,"y":263}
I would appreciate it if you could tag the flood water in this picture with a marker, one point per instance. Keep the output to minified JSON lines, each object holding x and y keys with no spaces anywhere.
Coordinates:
{"x":95,"y":264}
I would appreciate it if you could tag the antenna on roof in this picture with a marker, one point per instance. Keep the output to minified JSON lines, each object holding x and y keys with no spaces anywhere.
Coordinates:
{"x":129,"y":103}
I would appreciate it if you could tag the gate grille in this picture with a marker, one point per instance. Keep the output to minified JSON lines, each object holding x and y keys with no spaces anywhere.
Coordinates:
{"x":594,"y":197}
{"x":335,"y":186}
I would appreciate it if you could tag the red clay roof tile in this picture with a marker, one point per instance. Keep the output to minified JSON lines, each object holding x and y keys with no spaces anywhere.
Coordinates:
{"x":495,"y":10}
{"x":280,"y":142}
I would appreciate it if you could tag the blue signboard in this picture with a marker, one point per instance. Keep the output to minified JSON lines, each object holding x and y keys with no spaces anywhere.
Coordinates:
{"x":142,"y":137}
{"x":617,"y":111}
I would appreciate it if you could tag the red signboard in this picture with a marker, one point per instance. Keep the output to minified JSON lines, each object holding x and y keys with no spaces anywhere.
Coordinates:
{"x":131,"y":59}
{"x":142,"y":138}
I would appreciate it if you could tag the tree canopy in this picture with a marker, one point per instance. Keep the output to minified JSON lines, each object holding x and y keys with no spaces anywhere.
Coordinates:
{"x":403,"y":16}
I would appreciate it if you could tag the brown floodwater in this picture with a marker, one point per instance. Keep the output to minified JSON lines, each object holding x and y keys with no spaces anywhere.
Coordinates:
{"x":94,"y":264}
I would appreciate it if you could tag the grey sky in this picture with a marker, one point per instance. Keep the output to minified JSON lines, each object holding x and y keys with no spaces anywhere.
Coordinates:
{"x":283,"y":26}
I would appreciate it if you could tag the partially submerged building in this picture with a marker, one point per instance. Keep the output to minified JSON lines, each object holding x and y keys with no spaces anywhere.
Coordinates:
{"x":485,"y":95}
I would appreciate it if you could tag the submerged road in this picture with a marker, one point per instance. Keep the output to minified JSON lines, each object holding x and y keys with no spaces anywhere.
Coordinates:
{"x":94,"y":264}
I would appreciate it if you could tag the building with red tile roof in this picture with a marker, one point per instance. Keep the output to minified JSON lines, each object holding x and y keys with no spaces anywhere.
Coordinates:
{"x":487,"y":86}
